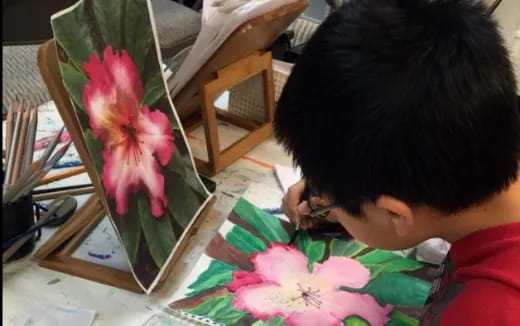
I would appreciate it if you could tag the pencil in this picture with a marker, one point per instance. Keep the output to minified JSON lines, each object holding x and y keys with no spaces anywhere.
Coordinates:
{"x":31,"y":137}
{"x":62,"y":175}
{"x":18,"y":244}
{"x":12,"y":150}
{"x":9,"y":132}
{"x":56,"y":194}
{"x":48,"y":151}
{"x":20,"y":150}
{"x":48,"y":190}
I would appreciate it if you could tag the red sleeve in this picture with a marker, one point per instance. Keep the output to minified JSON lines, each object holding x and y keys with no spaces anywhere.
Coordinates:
{"x":484,"y":302}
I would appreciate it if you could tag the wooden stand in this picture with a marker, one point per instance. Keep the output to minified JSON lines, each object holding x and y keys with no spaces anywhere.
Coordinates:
{"x":56,"y":252}
{"x":241,"y":56}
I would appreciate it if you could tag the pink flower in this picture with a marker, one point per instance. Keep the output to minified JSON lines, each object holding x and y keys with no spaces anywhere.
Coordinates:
{"x":283,"y":286}
{"x":136,"y":139}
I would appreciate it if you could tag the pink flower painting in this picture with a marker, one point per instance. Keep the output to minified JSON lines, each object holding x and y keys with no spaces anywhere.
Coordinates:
{"x":282,"y":286}
{"x":137,"y":140}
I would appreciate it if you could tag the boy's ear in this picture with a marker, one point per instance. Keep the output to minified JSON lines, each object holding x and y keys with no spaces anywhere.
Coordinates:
{"x":400,"y":213}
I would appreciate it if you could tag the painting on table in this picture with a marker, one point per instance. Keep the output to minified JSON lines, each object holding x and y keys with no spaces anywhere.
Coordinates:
{"x":248,"y":275}
{"x":110,"y":64}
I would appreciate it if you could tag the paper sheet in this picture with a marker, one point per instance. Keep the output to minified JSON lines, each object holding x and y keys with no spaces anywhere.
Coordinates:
{"x":287,"y":176}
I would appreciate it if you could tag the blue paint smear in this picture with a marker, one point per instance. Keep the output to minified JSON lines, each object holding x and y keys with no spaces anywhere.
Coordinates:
{"x":99,"y":256}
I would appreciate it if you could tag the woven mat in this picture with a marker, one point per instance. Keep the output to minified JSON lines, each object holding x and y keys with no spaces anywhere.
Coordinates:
{"x":21,"y":77}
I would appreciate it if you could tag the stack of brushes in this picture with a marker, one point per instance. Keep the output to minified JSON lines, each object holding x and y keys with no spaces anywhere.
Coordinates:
{"x":21,"y":173}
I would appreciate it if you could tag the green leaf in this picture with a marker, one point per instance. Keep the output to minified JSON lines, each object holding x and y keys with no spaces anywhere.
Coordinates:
{"x":73,"y":34}
{"x":346,"y":248}
{"x":412,"y":292}
{"x":95,"y":149}
{"x":154,"y":90}
{"x":267,"y":225}
{"x":138,"y":37}
{"x":218,"y":273}
{"x":158,"y":232}
{"x":314,"y":250}
{"x":183,"y":201}
{"x":74,"y":81}
{"x":220,"y":309}
{"x":109,"y":16}
{"x":276,"y":321}
{"x":397,"y":318}
{"x":244,"y":240}
{"x":355,"y":321}
{"x":129,"y":227}
{"x":379,"y":261}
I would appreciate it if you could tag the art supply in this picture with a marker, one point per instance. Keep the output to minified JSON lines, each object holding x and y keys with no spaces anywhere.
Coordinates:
{"x":71,"y":192}
{"x":12,"y":150}
{"x":66,"y":210}
{"x":63,"y":175}
{"x":20,"y":150}
{"x":35,"y":172}
{"x":68,"y":164}
{"x":31,"y":136}
{"x":9,"y":131}
{"x":53,"y":208}
{"x":44,"y":142}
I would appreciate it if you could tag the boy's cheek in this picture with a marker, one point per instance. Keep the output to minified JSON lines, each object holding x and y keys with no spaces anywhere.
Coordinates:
{"x":376,"y":232}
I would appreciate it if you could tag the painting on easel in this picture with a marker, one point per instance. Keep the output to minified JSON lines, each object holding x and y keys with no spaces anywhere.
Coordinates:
{"x":110,"y":64}
{"x":248,"y":275}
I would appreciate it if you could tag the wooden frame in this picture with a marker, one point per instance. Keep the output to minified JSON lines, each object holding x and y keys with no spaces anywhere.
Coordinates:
{"x":57,"y":252}
{"x":257,"y":63}
{"x":243,"y":52}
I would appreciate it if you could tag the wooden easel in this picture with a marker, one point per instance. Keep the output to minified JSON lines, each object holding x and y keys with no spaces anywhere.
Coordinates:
{"x":240,"y":57}
{"x":56,"y":252}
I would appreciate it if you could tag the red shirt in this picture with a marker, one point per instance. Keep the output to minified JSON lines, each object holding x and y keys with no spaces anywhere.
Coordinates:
{"x":479,"y":283}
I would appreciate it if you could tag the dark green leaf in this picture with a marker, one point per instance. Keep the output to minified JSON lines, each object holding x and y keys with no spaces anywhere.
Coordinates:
{"x":74,"y":82}
{"x":346,"y":248}
{"x":276,"y":321}
{"x":385,"y":261}
{"x":95,"y":149}
{"x":244,"y":240}
{"x":219,"y":309}
{"x":397,"y":318}
{"x":412,"y":292}
{"x":218,"y":273}
{"x":355,"y":321}
{"x":72,"y":33}
{"x":109,"y":16}
{"x":138,"y":37}
{"x":158,"y":232}
{"x":129,"y":227}
{"x":154,"y":90}
{"x":267,"y":225}
{"x":183,"y":201}
{"x":314,"y":250}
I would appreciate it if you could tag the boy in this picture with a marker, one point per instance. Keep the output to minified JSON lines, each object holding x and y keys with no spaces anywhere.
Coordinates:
{"x":403,"y":113}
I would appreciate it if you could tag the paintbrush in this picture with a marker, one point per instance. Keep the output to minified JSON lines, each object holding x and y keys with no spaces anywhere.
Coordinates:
{"x":38,"y":165}
{"x":12,"y":150}
{"x":53,"y":208}
{"x":31,"y":137}
{"x":70,"y":192}
{"x":20,"y":150}
{"x":33,"y":180}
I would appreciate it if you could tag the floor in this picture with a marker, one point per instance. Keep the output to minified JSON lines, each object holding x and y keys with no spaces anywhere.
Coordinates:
{"x":26,"y":285}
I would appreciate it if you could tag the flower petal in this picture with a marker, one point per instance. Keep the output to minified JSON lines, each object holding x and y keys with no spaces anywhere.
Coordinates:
{"x":343,"y":271}
{"x":337,"y":306}
{"x":126,"y":169}
{"x":280,"y":263}
{"x":242,"y":278}
{"x":157,"y":134}
{"x":262,"y":301}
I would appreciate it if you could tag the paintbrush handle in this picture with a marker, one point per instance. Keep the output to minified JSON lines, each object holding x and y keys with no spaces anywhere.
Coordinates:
{"x":21,"y":146}
{"x":18,"y":244}
{"x":31,"y":137}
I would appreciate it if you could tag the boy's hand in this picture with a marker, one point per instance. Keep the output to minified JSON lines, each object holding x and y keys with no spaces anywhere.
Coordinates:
{"x":298,"y":212}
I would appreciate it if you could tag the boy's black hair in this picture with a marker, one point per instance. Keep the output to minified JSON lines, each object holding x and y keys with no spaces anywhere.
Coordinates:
{"x":411,"y":98}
